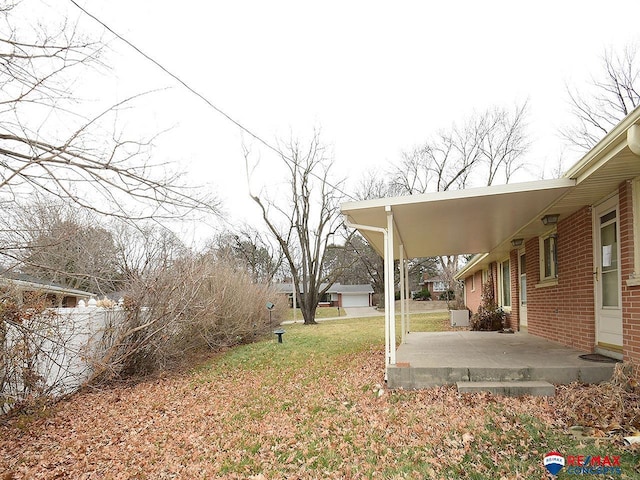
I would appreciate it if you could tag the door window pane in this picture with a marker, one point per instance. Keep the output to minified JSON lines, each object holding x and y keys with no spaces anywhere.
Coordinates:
{"x":549,"y":254}
{"x":523,"y":280}
{"x":506,"y":284}
{"x":609,"y":260}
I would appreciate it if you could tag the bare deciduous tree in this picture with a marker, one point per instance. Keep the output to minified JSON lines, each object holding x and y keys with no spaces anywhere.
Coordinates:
{"x":50,"y":144}
{"x":487,"y":148}
{"x":304,"y":222}
{"x":372,"y":184}
{"x":504,"y":142}
{"x":614,"y":93}
{"x":368,"y":265}
{"x":144,"y":247}
{"x":61,"y":244}
{"x":248,"y":246}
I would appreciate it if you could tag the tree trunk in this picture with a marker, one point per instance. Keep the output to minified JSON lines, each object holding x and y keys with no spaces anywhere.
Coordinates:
{"x":309,"y":314}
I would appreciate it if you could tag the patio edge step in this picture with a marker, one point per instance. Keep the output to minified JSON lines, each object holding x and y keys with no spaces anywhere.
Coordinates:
{"x":510,"y":389}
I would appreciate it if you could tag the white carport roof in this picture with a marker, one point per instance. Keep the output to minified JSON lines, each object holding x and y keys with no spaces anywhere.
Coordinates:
{"x":475,"y":220}
{"x":485,"y":220}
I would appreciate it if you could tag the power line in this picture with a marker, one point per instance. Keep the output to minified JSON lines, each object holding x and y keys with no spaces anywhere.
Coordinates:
{"x":202,"y":97}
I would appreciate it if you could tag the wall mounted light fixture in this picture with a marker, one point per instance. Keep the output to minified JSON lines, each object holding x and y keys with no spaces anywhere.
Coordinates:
{"x":550,"y":218}
{"x":516,"y":242}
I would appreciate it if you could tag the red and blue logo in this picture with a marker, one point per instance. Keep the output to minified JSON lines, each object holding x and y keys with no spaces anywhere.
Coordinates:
{"x":553,"y":462}
{"x":583,"y":464}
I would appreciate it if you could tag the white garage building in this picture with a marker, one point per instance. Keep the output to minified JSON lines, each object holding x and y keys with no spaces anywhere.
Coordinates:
{"x":351,"y":295}
{"x":338,"y":295}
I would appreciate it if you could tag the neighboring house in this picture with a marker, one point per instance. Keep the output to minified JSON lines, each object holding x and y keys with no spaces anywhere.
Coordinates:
{"x":436,"y":285}
{"x":338,"y":295}
{"x":563,"y":254}
{"x":58,"y":295}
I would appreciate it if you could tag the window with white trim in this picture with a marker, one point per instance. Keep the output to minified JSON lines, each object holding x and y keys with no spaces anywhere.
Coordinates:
{"x":504,"y":286}
{"x":549,"y":257}
{"x":439,"y":286}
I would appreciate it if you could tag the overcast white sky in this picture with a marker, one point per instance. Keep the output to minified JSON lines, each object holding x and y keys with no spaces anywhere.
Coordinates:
{"x":376,"y":77}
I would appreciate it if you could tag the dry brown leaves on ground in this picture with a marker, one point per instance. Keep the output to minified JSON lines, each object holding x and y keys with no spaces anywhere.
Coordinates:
{"x":611,"y":408}
{"x":297,"y":423}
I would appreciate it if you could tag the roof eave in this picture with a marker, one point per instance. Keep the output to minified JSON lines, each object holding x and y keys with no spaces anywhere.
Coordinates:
{"x":471,"y":265}
{"x":608,"y":142}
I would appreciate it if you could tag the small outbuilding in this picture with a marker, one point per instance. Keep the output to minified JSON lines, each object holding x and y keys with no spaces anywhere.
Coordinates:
{"x":337,"y":295}
{"x":59,"y":296}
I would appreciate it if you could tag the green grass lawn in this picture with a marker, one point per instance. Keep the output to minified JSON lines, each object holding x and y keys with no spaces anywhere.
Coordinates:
{"x":314,"y":406}
{"x":427,"y":434}
{"x":321,"y":312}
{"x":427,"y":322}
{"x":420,"y":322}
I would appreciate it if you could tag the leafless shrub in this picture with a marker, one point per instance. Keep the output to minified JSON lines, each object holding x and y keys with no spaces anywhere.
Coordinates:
{"x":35,"y":347}
{"x":490,"y":316}
{"x":182,"y":310}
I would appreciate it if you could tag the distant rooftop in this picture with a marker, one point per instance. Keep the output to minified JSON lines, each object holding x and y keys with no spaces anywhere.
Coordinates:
{"x":335,"y":288}
{"x":29,"y":281}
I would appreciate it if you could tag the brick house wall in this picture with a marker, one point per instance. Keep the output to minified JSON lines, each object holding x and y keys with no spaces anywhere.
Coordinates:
{"x":513,"y":318}
{"x":473,"y":296}
{"x":493,"y":272}
{"x":630,"y":294}
{"x":565,"y":312}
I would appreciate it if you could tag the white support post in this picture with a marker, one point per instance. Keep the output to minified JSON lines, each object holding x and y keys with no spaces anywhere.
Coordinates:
{"x":388,"y":280}
{"x":403,"y":294}
{"x":389,"y":288}
{"x":406,"y":282}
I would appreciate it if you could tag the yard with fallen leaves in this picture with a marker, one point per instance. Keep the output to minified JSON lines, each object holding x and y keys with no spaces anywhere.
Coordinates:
{"x":313,"y":406}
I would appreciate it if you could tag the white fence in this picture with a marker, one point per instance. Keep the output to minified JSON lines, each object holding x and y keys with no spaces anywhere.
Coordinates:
{"x":51,"y":353}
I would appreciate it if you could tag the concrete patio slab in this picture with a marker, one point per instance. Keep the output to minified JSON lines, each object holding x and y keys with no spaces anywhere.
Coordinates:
{"x":445,"y":358}
{"x":512,"y":389}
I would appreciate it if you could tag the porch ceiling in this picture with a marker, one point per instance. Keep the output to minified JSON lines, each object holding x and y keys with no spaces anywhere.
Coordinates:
{"x":468,"y":221}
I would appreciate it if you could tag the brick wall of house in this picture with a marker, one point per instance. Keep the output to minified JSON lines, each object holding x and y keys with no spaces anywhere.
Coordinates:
{"x":630,"y":294}
{"x":565,"y":312}
{"x":473,"y":296}
{"x":493,"y":274}
{"x":513,"y":319}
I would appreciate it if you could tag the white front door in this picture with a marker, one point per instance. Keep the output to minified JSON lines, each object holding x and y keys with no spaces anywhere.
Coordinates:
{"x":607,"y":278}
{"x":522,"y":275}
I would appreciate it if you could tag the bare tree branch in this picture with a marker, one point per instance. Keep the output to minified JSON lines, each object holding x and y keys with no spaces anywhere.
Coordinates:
{"x":304,"y":219}
{"x":489,"y":145}
{"x":615,"y":92}
{"x":48,"y":145}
